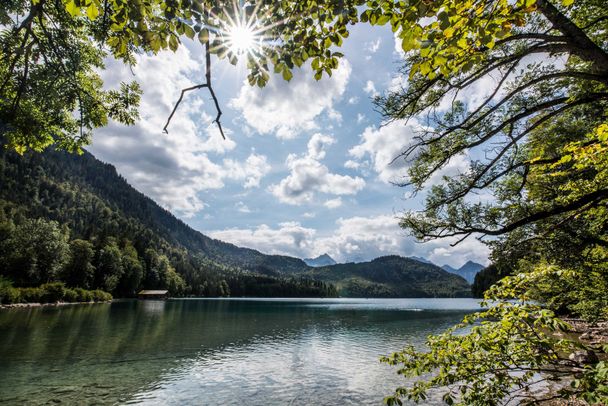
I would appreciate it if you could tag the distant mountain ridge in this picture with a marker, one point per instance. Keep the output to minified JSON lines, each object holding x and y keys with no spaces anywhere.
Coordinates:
{"x":321,"y":260}
{"x":94,"y":201}
{"x":467,"y":271}
{"x":392,"y":276}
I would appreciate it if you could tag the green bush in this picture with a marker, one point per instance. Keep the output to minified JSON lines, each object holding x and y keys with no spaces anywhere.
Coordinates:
{"x":70,"y":296}
{"x":101,"y":296}
{"x":10,"y":295}
{"x":31,"y":295}
{"x":52,"y":292}
{"x":83,"y":295}
{"x":49,"y":293}
{"x":5,"y":286}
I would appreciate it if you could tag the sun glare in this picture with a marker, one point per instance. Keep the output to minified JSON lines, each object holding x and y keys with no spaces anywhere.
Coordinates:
{"x":241,"y":39}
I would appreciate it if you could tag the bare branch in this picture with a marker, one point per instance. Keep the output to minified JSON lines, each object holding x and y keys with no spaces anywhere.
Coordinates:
{"x":207,"y":84}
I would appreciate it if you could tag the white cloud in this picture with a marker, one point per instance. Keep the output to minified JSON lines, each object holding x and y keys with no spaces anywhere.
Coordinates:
{"x":308,"y":175}
{"x":350,"y":164}
{"x":353,"y":239}
{"x":288,"y":108}
{"x":360,"y":118}
{"x":333,"y":203}
{"x":317,"y":144}
{"x":384,"y":147}
{"x":373,"y":46}
{"x":242,"y":207}
{"x":172,"y":168}
{"x":289,"y":238}
{"x":251,"y":171}
{"x":353,"y":100}
{"x":370,"y":88}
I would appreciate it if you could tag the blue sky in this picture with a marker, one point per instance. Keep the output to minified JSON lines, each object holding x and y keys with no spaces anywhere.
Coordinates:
{"x":306,"y":167}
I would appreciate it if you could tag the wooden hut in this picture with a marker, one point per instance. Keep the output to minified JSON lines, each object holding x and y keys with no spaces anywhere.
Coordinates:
{"x":153,"y":294}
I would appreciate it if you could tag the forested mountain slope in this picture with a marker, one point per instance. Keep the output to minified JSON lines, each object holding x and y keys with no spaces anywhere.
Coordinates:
{"x":71,"y":218}
{"x":392,"y":276}
{"x":124,"y":241}
{"x":52,"y":185}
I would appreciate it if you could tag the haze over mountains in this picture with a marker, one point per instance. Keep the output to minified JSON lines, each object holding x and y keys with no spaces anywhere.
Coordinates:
{"x":321,"y":260}
{"x":94,"y":202}
{"x":466,"y":271}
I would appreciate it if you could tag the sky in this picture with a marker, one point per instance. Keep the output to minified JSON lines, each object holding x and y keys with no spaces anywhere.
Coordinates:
{"x":307,"y":167}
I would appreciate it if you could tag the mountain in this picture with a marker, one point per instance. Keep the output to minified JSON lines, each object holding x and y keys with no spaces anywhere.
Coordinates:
{"x":54,"y":176}
{"x":421,"y":259}
{"x":90,"y":201}
{"x":392,"y":276}
{"x":467,"y":271}
{"x":321,"y":260}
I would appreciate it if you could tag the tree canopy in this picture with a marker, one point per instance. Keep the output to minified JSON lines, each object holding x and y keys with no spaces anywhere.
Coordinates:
{"x":537,"y":148}
{"x":52,"y":51}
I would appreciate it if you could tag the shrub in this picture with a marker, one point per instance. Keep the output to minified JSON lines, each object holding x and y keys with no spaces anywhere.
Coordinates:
{"x":101,"y":296}
{"x":10,"y":295}
{"x":83,"y":295}
{"x":53,"y":292}
{"x":31,"y":295}
{"x":70,"y":296}
{"x":5,"y":286}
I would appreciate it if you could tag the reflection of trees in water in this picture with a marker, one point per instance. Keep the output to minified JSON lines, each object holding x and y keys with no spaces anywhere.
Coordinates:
{"x":117,"y":350}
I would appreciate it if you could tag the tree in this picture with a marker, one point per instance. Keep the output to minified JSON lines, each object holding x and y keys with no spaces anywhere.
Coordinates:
{"x":172,"y":281}
{"x":528,"y":98}
{"x":37,"y":251}
{"x":497,"y":356}
{"x":109,"y":267}
{"x":51,"y":52}
{"x":133,"y":272}
{"x":538,"y":138}
{"x":79,"y":271}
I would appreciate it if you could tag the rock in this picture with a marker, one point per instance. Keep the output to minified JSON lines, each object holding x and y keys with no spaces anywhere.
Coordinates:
{"x":583,"y":357}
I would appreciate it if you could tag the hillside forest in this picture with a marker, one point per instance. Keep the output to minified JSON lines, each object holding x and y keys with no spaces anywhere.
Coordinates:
{"x":536,"y":145}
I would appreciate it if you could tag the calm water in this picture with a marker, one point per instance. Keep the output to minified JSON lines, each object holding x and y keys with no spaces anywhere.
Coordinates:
{"x":214,"y":352}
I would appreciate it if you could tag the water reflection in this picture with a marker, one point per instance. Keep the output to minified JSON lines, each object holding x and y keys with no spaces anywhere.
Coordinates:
{"x":213,"y":351}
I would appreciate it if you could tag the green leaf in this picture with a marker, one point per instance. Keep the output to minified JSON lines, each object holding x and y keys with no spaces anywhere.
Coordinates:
{"x":92,"y":11}
{"x":287,"y":74}
{"x":203,"y":36}
{"x":72,"y":8}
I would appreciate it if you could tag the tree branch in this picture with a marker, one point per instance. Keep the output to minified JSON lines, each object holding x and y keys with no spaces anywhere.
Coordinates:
{"x":207,"y":84}
{"x":583,"y":46}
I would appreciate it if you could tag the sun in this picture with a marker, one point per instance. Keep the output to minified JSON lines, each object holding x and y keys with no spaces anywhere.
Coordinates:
{"x":241,"y":39}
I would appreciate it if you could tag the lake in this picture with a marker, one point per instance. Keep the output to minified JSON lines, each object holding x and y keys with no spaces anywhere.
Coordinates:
{"x":214,"y":351}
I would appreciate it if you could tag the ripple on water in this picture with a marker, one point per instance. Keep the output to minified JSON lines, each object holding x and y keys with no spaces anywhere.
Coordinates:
{"x":214,"y":352}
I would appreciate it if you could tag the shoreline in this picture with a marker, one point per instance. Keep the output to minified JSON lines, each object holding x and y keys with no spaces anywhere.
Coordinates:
{"x":56,"y":304}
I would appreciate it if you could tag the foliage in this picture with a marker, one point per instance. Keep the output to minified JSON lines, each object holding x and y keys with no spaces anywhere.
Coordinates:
{"x":79,"y":271}
{"x":537,"y":145}
{"x":57,"y":48}
{"x":392,"y":276}
{"x":50,"y":88}
{"x":36,"y":251}
{"x":109,"y":266}
{"x":52,"y":292}
{"x":499,"y":354}
{"x":49,"y":293}
{"x":527,"y":100}
{"x":52,"y":52}
{"x":124,"y":242}
{"x":488,"y":277}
